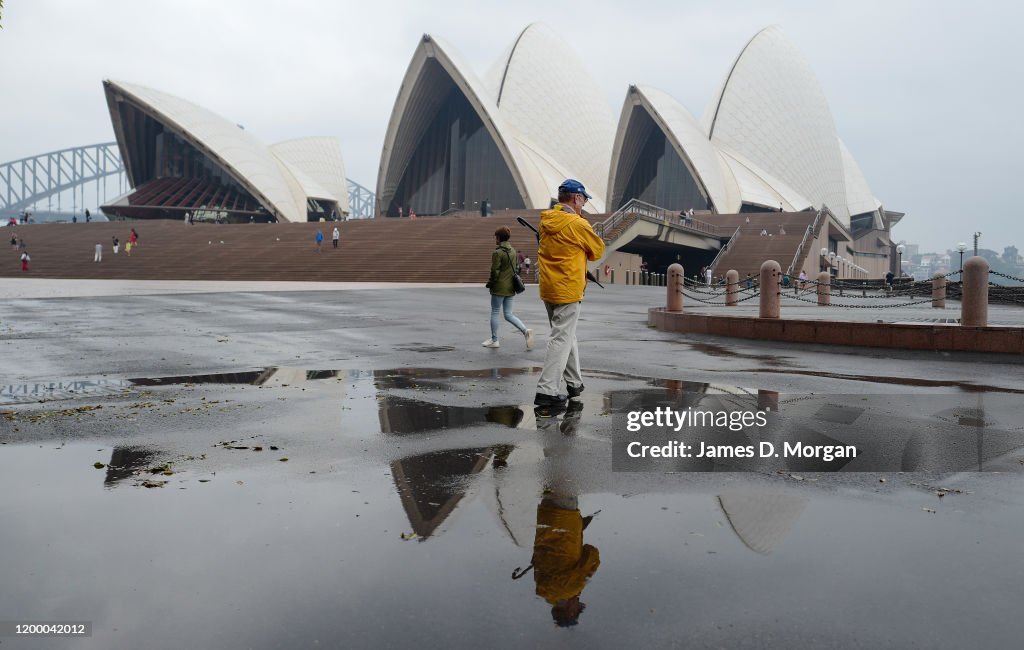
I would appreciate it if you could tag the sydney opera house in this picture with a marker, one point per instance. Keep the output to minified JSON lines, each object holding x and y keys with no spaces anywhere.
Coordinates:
{"x":765,"y":157}
{"x":767,"y":143}
{"x":183,"y":159}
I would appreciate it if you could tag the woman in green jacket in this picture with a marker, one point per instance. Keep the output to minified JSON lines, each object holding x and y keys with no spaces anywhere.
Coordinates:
{"x":502,"y":293}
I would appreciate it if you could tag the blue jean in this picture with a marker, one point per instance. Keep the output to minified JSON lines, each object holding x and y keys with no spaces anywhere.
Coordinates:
{"x":504,"y":303}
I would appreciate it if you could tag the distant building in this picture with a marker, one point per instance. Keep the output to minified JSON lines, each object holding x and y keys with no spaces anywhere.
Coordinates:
{"x":180,"y":157}
{"x":510,"y":138}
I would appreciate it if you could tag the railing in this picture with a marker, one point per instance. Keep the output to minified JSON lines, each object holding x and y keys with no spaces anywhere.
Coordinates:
{"x":644,"y":209}
{"x":721,"y":251}
{"x":811,"y":232}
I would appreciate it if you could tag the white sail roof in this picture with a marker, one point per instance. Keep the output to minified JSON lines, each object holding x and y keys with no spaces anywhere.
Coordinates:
{"x":542,"y":140}
{"x":319,"y":160}
{"x":237,"y":151}
{"x":772,"y":111}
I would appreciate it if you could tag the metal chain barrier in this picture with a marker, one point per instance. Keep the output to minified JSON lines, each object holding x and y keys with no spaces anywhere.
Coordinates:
{"x":875,"y":306}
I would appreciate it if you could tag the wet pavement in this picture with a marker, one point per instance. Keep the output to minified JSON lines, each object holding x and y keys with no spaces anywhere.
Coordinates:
{"x":352,"y":469}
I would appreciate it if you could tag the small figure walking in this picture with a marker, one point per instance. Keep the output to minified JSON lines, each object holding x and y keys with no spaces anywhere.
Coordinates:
{"x":98,"y":257}
{"x":133,"y":239}
{"x":319,"y":239}
{"x":25,"y":259}
{"x":14,"y":242}
{"x":115,"y":244}
{"x":128,"y":248}
{"x":335,"y":236}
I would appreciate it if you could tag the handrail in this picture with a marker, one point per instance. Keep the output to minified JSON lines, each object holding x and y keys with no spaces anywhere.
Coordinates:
{"x":721,"y":251}
{"x":644,"y":209}
{"x":812,"y":230}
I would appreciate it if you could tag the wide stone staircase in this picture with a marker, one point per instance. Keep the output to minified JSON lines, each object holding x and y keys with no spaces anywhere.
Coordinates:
{"x":751,"y":249}
{"x":428,"y":249}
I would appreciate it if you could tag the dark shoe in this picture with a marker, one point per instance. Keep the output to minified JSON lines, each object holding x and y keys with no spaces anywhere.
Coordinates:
{"x":574,"y":391}
{"x":549,"y":400}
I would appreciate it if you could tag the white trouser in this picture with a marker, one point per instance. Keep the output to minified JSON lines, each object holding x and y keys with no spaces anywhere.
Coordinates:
{"x":562,"y":359}
{"x":98,"y":257}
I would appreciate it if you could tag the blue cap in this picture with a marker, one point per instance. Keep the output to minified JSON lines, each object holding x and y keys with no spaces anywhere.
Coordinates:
{"x":573,"y":186}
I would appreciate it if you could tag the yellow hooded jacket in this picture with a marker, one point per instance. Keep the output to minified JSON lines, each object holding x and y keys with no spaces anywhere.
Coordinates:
{"x":562,"y":563}
{"x":566,"y":243}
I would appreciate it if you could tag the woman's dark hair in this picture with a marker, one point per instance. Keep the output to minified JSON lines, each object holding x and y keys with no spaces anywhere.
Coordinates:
{"x":503,"y":233}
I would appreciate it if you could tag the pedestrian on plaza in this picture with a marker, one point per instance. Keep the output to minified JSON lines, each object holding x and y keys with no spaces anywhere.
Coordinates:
{"x":128,"y":248}
{"x":335,"y":236}
{"x":707,"y":276}
{"x":21,"y":244}
{"x":133,"y":238}
{"x":750,"y":281}
{"x":412,"y":213}
{"x":98,"y":257}
{"x":319,"y":239}
{"x":14,"y":242}
{"x":567,"y":242}
{"x":803,"y":278}
{"x":527,"y":266}
{"x":115,"y":244}
{"x":74,"y":218}
{"x":25,"y":259}
{"x":502,"y":289}
{"x":191,"y":218}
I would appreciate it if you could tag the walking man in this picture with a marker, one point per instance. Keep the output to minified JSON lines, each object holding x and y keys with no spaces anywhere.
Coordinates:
{"x":115,"y":244}
{"x":98,"y":257}
{"x":319,"y":239}
{"x":567,"y":242}
{"x":335,"y":236}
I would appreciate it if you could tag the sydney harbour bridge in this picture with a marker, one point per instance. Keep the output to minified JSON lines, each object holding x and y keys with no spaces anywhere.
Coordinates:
{"x":59,"y":185}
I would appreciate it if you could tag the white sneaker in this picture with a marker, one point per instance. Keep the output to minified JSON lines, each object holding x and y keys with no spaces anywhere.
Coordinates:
{"x":529,"y":339}
{"x":490,"y":343}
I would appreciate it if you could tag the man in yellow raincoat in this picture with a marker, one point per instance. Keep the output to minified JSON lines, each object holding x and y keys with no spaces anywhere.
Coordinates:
{"x":567,"y":242}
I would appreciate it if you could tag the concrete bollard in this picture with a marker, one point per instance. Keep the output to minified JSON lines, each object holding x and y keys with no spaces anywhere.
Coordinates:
{"x":771,"y":278}
{"x":974,"y":303}
{"x":824,"y":289}
{"x":767,"y":400}
{"x":674,"y":293}
{"x":732,"y":287}
{"x":939,"y":291}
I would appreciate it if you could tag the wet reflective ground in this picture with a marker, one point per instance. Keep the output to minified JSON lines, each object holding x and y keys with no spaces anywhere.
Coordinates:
{"x":352,"y":469}
{"x":292,"y":507}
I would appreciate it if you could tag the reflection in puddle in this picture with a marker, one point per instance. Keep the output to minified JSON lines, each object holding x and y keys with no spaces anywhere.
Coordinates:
{"x":405,"y":415}
{"x":431,"y":485}
{"x":62,"y":389}
{"x":967,"y":387}
{"x":125,"y":462}
{"x":762,"y":520}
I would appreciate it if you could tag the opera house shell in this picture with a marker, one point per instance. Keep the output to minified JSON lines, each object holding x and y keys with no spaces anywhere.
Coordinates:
{"x":767,"y":142}
{"x":181,"y":158}
{"x":510,"y":138}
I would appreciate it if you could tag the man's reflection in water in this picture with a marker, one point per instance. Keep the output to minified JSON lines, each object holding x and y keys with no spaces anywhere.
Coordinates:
{"x":562,"y":563}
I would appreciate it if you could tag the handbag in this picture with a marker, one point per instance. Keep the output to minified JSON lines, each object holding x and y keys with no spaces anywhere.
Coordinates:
{"x":517,"y":282}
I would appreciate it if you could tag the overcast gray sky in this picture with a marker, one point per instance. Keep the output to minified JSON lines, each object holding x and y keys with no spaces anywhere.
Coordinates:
{"x":922,"y":92}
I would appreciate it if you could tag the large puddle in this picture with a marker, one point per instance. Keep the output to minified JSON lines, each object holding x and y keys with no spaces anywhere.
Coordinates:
{"x":407,"y":507}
